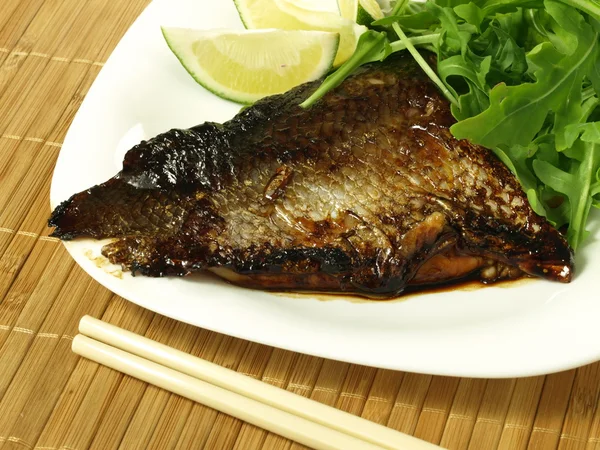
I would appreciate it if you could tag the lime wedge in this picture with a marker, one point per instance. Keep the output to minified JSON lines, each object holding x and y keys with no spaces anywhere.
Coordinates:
{"x":245,"y":66}
{"x":287,"y":15}
{"x":362,"y":12}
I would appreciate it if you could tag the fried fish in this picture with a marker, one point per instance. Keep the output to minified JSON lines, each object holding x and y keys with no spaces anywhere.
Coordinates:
{"x":366,"y":192}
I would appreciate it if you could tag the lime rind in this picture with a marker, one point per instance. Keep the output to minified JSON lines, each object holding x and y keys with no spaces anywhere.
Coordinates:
{"x":244,"y":16}
{"x":232,"y":69}
{"x":363,"y":17}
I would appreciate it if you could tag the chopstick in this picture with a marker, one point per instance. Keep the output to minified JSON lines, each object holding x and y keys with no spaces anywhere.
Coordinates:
{"x":292,"y":416}
{"x":292,"y":427}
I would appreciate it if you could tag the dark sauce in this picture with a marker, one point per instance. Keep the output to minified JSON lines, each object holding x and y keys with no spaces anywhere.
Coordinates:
{"x":464,"y":285}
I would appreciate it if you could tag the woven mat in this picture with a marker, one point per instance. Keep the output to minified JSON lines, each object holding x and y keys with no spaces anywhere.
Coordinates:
{"x":50,"y":53}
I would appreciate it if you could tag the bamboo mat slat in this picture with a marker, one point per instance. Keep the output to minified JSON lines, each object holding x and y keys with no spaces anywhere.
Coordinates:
{"x":16,"y":17}
{"x":463,"y":412}
{"x":408,"y":405}
{"x":50,"y":53}
{"x":492,"y":414}
{"x":436,"y":407}
{"x":521,"y":413}
{"x":384,"y":389}
{"x":552,"y":409}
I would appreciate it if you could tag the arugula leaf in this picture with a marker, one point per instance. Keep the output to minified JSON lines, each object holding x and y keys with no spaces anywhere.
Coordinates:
{"x":471,"y":103}
{"x":509,"y":59}
{"x":451,"y":3}
{"x":568,"y":126}
{"x":455,"y":66}
{"x":475,"y":100}
{"x":454,"y":38}
{"x":471,"y":13}
{"x":423,"y":20}
{"x":589,"y":6}
{"x":516,"y":113}
{"x":590,"y":132}
{"x":491,"y":7}
{"x":570,"y":111}
{"x":517,"y":159}
{"x":595,"y":76}
{"x":577,"y":182}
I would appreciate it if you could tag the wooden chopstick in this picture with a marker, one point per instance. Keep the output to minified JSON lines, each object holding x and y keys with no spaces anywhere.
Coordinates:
{"x":264,"y":416}
{"x":225,"y":390}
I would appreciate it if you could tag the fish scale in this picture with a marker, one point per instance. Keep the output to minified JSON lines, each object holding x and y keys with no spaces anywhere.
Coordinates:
{"x":365,"y":192}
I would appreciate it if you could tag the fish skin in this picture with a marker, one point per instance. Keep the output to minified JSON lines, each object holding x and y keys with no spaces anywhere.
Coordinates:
{"x":366,"y":192}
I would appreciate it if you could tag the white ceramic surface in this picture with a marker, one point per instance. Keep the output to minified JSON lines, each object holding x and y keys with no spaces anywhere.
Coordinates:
{"x":529,"y":328}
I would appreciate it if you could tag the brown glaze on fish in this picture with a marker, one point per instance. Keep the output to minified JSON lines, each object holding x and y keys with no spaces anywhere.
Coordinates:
{"x":366,"y":192}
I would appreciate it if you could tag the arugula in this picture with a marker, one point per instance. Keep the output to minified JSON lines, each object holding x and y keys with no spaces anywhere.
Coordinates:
{"x":517,"y":113}
{"x":579,"y":182}
{"x":523,"y":79}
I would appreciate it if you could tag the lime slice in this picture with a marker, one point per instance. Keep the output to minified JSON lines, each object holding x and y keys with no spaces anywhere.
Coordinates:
{"x":245,"y":66}
{"x":285,"y":14}
{"x":362,"y":12}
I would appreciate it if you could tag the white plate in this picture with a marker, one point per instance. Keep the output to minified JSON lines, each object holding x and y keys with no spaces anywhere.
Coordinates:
{"x":529,"y":328}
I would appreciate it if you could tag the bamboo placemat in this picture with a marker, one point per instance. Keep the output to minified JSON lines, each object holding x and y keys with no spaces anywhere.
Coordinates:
{"x":50,"y":53}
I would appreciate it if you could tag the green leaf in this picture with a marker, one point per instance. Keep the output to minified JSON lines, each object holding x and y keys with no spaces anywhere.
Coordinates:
{"x":470,"y":104}
{"x":499,"y":41}
{"x":450,"y":3}
{"x":421,"y":21}
{"x":569,"y":112}
{"x":594,"y":76}
{"x":454,"y":38}
{"x":556,"y":206}
{"x":517,"y":113}
{"x":536,"y":203}
{"x":491,"y":7}
{"x":475,"y":99}
{"x":471,"y":13}
{"x":573,"y":130}
{"x":538,"y":22}
{"x":589,"y":6}
{"x":509,"y":56}
{"x":387,"y":21}
{"x":553,"y":176}
{"x":575,"y":181}
{"x":589,"y":132}
{"x":595,"y":190}
{"x":519,"y":156}
{"x":458,"y":66}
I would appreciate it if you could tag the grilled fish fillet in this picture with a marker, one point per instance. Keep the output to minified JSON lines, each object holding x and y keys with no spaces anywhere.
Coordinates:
{"x":366,"y":192}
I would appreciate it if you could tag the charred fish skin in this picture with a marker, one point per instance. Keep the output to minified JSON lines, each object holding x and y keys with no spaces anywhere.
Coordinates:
{"x":366,"y":192}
